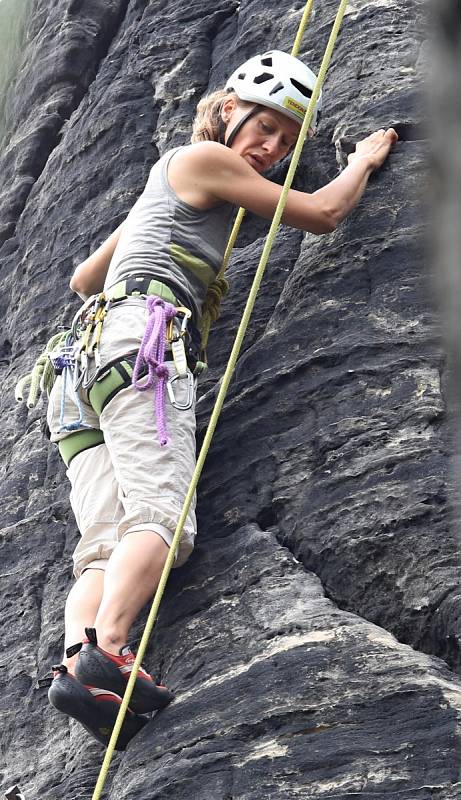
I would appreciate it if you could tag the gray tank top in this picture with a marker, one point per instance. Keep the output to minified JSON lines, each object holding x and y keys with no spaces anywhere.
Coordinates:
{"x":174,"y":242}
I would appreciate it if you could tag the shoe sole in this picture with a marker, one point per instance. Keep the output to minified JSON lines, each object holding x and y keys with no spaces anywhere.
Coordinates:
{"x":97,"y":716}
{"x":95,"y":669}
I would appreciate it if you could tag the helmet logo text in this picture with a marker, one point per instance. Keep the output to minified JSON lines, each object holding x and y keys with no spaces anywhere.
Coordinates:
{"x":294,"y":105}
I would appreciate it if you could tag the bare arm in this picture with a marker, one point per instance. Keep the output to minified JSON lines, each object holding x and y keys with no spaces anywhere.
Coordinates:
{"x":339,"y":197}
{"x":344,"y":192}
{"x":209,"y":172}
{"x":90,"y":275}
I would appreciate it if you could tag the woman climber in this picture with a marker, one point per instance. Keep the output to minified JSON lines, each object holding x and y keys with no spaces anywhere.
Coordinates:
{"x":130,"y":465}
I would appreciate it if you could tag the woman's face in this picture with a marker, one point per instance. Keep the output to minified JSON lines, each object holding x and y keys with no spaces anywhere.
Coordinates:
{"x":264,"y":139}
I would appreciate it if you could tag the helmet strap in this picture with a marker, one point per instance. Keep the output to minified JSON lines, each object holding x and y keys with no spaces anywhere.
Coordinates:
{"x":252,"y":113}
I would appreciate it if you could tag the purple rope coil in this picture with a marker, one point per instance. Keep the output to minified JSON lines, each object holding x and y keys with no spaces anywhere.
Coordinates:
{"x":152,"y":355}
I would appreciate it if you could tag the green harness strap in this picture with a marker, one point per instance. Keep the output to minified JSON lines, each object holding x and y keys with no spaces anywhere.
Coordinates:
{"x":76,"y":442}
{"x":102,"y":391}
{"x":108,"y":385}
{"x":220,"y":399}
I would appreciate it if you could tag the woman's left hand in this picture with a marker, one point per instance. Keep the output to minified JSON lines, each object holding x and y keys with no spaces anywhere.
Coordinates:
{"x":375,"y":148}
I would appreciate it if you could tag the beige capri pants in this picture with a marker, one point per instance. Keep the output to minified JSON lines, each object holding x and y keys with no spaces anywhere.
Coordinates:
{"x":128,"y":483}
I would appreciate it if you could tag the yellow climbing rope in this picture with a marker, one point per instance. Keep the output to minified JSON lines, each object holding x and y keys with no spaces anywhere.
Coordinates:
{"x":220,"y":287}
{"x":221,"y":395}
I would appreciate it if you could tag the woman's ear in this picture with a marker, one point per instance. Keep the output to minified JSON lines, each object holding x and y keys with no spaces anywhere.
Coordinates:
{"x":227,"y":108}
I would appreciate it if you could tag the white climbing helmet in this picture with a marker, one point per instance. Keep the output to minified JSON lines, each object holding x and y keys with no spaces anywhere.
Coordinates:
{"x":277,"y":80}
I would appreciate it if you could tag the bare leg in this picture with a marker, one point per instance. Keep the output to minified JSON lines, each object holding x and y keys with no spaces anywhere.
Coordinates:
{"x":131,"y":578}
{"x":82,"y":606}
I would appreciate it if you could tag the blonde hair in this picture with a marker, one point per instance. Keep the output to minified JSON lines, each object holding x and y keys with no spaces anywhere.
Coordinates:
{"x":208,"y":124}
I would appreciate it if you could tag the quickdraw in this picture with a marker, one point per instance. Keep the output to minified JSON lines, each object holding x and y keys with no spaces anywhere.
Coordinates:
{"x":89,"y":348}
{"x":176,"y":335}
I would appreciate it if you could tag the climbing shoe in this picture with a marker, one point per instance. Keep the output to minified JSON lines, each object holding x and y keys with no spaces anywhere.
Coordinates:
{"x":95,"y":709}
{"x":97,"y":667}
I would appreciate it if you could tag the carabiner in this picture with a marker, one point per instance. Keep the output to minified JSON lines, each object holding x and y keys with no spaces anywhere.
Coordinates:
{"x":190,"y":391}
{"x":187,"y":313}
{"x":170,"y":333}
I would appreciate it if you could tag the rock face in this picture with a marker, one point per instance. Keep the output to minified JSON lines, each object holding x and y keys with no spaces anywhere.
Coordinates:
{"x":304,"y":637}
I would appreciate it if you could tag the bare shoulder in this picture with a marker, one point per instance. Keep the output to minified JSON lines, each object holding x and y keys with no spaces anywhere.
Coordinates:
{"x":193,"y":170}
{"x":202,"y":154}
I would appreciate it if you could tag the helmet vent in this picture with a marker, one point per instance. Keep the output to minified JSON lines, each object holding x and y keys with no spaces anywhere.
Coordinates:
{"x":267,"y":61}
{"x":265,"y":76}
{"x":301,"y":88}
{"x":276,"y":88}
{"x":241,"y":76}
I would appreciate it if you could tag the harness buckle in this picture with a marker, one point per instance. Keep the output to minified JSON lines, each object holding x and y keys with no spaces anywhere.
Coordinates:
{"x":190,"y":391}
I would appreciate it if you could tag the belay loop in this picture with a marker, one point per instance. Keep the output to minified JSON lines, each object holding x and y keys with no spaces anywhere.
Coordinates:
{"x":152,"y":355}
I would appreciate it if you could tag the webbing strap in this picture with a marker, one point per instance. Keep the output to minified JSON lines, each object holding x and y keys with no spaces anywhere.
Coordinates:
{"x":110,"y":383}
{"x":76,"y":442}
{"x":140,"y":284}
{"x":220,"y":398}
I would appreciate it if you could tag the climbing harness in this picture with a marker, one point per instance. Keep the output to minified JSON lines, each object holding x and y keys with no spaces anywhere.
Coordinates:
{"x":75,"y":355}
{"x":224,"y":386}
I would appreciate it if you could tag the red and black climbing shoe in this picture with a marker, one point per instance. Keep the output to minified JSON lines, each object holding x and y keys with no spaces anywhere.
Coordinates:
{"x":95,"y":709}
{"x":97,"y":667}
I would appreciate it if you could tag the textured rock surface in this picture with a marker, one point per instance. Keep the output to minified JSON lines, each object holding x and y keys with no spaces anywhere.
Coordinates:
{"x":324,"y":522}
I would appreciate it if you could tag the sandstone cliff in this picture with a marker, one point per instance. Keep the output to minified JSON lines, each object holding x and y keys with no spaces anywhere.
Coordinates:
{"x":304,"y":639}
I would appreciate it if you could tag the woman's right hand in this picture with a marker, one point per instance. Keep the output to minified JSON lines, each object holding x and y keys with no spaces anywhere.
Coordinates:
{"x":375,"y":148}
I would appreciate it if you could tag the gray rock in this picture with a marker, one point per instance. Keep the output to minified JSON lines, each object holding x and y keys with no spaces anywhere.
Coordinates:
{"x":303,"y":638}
